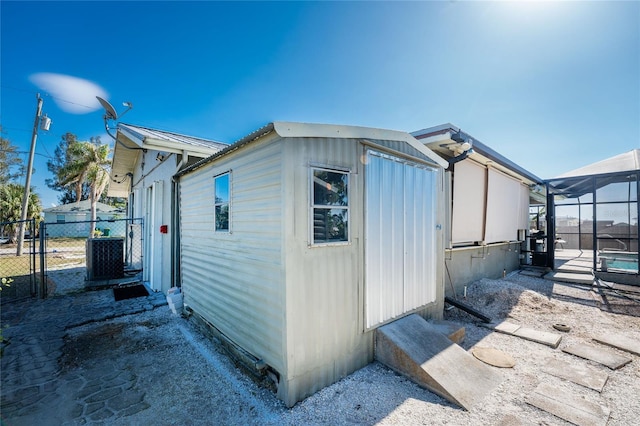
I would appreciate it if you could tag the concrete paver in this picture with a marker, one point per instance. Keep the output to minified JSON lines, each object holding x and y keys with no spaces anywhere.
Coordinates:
{"x":33,"y":379}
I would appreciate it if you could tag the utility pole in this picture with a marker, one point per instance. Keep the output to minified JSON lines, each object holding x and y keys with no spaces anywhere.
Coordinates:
{"x":27,"y":185}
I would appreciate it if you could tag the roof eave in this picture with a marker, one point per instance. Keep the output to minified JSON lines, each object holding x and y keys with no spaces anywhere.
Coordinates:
{"x":443,"y":133}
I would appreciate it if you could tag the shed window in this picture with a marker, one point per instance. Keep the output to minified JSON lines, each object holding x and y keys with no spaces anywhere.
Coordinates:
{"x":330,"y":206}
{"x":60,"y":218}
{"x":221,"y":213}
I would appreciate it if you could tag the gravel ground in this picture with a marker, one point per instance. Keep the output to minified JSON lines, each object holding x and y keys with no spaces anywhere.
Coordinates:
{"x":377,"y":395}
{"x":183,"y":378}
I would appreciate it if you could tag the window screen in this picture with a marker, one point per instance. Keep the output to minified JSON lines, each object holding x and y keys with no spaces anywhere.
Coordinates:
{"x":330,"y":206}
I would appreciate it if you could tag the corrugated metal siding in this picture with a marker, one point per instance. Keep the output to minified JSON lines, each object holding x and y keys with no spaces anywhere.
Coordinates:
{"x":400,"y":148}
{"x":420,"y":238}
{"x":400,"y":240}
{"x":234,"y":280}
{"x":324,"y":300}
{"x":326,"y":335}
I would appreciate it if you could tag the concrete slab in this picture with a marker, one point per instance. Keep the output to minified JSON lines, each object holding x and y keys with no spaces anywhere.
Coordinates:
{"x":453,"y":331}
{"x":620,"y":342}
{"x":413,"y":347}
{"x":533,"y":273}
{"x":579,"y":373}
{"x":542,"y":337}
{"x":569,"y":277}
{"x":568,"y":407}
{"x":599,"y":355}
{"x":506,"y":327}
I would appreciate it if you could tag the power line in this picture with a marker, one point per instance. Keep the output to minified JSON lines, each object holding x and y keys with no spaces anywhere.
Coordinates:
{"x":69,"y":102}
{"x":26,"y":152}
{"x":47,"y":95}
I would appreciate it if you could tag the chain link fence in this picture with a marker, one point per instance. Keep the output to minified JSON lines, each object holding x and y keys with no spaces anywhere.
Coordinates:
{"x":86,"y":253}
{"x":18,"y":273}
{"x":65,"y":257}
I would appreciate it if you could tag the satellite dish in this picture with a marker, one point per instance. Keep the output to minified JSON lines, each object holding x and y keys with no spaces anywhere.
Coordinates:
{"x":110,"y":112}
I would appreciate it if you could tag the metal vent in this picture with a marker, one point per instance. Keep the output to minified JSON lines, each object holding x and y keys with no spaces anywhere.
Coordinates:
{"x":105,"y":258}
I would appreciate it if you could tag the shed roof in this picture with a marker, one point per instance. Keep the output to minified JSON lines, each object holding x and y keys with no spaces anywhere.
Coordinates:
{"x":315,"y":130}
{"x":130,"y":140}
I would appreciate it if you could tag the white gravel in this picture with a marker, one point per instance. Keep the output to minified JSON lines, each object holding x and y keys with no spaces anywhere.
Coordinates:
{"x":202,"y":386}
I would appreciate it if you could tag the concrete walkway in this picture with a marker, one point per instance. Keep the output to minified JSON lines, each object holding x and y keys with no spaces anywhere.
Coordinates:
{"x":31,"y":362}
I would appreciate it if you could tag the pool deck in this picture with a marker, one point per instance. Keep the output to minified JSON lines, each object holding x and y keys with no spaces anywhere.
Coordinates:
{"x":576,"y":266}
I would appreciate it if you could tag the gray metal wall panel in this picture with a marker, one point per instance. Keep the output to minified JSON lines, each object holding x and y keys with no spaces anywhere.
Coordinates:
{"x":401,"y":249}
{"x":324,"y":283}
{"x":234,"y":280}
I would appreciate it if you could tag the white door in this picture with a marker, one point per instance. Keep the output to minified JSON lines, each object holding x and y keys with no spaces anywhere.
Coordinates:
{"x":148,"y":234}
{"x":152,"y":272}
{"x":400,"y":237}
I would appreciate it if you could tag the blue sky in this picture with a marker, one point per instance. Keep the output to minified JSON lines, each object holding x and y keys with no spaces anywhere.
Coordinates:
{"x":553,"y":86}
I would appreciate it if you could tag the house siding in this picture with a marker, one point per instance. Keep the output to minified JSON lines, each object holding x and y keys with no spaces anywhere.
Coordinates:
{"x":234,"y":280}
{"x":157,"y":252}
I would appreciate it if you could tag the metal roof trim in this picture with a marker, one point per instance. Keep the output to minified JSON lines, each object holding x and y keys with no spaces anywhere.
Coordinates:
{"x":435,"y":130}
{"x":478,"y":147}
{"x":483,"y":149}
{"x":292,"y":129}
{"x":155,"y":136}
{"x":263,"y":131}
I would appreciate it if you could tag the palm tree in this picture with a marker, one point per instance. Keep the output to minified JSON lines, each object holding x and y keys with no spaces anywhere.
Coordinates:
{"x":11,"y":195}
{"x":88,"y":164}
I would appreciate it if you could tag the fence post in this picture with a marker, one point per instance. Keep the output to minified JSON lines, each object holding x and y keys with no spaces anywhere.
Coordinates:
{"x":43,"y":253}
{"x":32,"y":259}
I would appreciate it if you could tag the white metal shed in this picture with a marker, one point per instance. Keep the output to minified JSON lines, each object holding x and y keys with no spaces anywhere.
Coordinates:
{"x":297,"y":241}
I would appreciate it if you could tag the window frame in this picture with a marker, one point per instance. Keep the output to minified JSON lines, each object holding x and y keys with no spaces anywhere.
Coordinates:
{"x":216,"y":204}
{"x":312,"y":206}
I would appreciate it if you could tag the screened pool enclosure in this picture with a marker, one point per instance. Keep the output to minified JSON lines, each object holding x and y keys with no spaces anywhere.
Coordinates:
{"x":595,"y":209}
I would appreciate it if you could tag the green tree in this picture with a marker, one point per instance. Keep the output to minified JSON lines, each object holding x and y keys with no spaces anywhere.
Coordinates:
{"x":11,"y":208}
{"x":87,"y":162}
{"x":63,"y":155}
{"x":11,"y":165}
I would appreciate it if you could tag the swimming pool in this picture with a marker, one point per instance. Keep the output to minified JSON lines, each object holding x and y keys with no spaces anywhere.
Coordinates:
{"x":619,"y":261}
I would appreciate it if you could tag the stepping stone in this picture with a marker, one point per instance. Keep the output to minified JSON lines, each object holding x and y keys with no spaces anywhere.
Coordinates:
{"x":543,"y":337}
{"x":568,"y":407}
{"x":620,"y":342}
{"x":579,"y":373}
{"x":570,"y":277}
{"x":494,"y":357}
{"x":599,"y":355}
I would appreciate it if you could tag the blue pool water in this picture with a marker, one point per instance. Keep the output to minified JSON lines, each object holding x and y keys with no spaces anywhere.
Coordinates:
{"x":626,"y":265}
